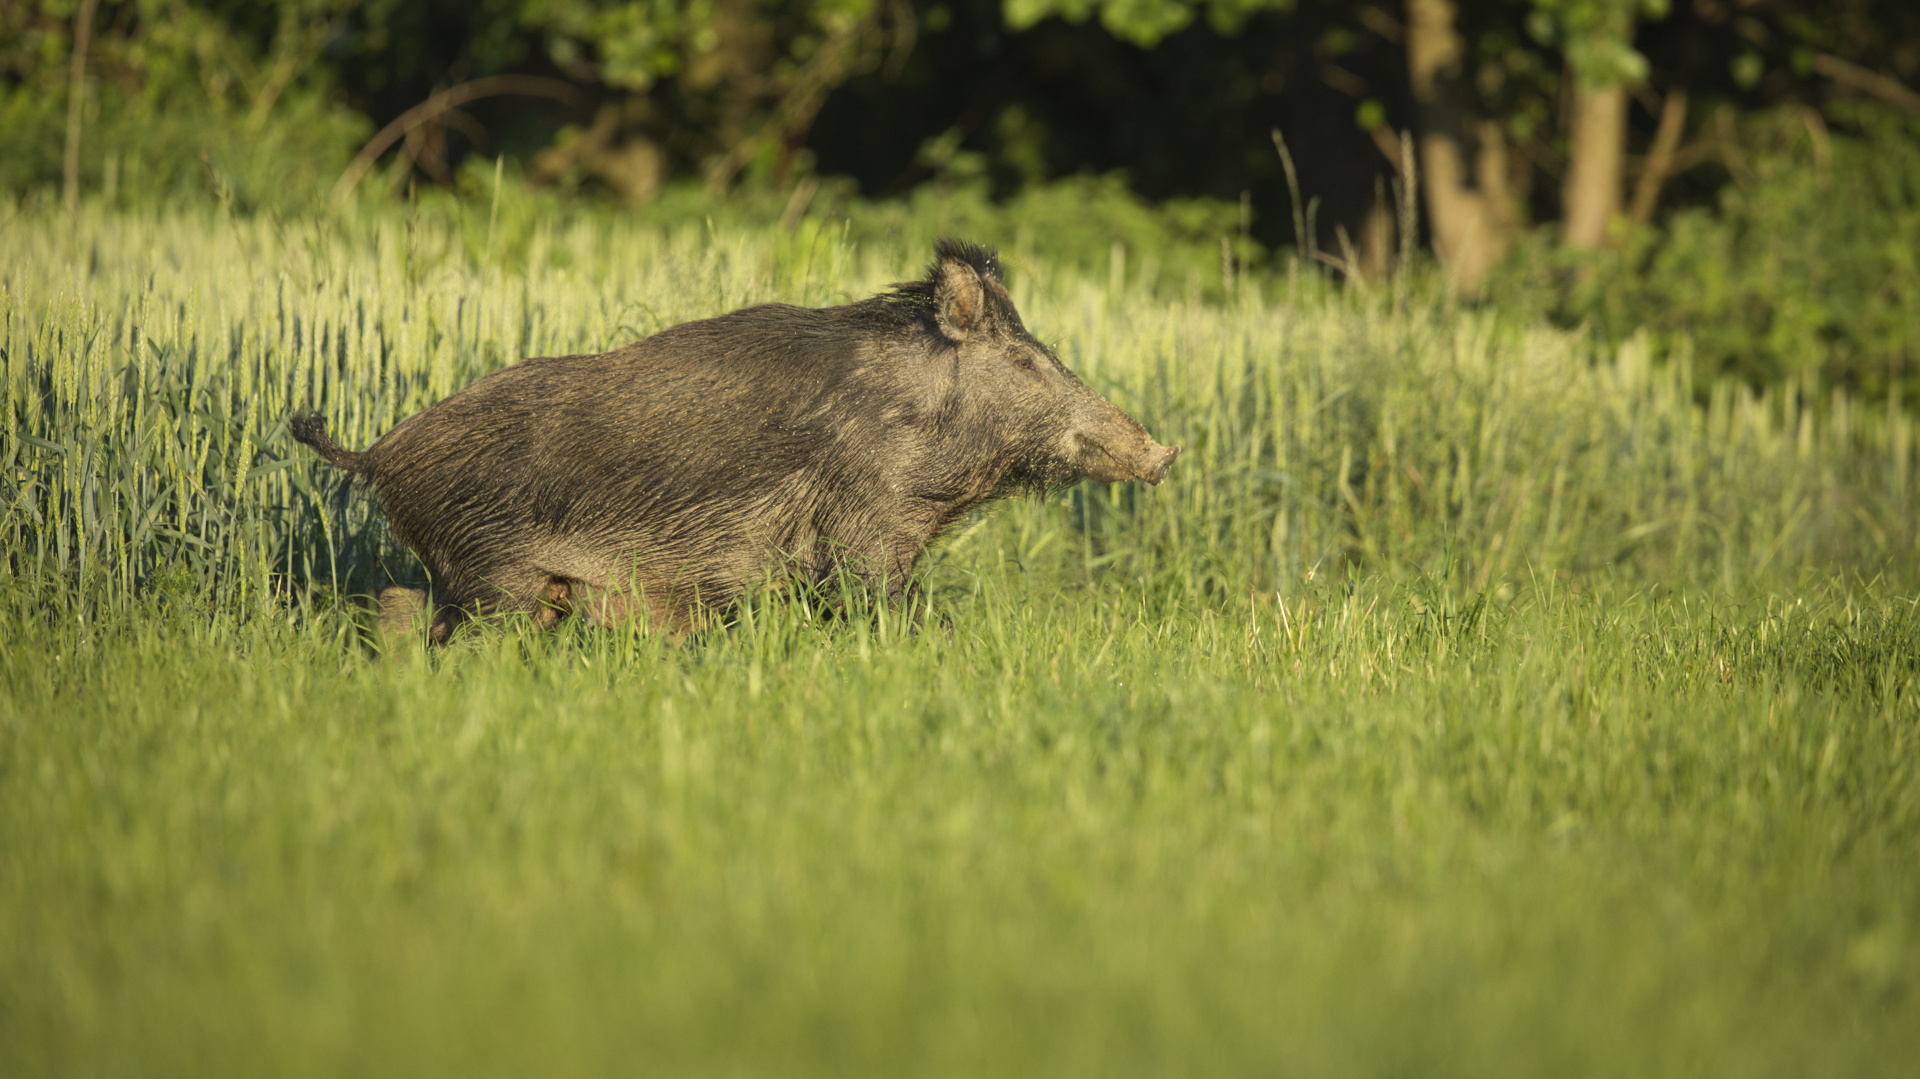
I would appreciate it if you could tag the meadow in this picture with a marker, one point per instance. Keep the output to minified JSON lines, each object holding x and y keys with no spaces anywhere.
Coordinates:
{"x":1472,"y":699}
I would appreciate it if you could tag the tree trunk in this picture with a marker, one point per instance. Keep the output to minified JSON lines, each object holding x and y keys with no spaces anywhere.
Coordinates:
{"x":1596,"y":163}
{"x":76,"y":103}
{"x":1462,"y":156}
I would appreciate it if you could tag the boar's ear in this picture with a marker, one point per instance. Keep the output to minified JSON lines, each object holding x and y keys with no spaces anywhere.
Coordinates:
{"x":958,"y":298}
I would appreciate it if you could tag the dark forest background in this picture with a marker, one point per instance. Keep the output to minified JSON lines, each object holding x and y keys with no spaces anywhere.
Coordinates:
{"x":1744,"y":172}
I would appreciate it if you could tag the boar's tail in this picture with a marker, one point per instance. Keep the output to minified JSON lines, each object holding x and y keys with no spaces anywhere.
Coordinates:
{"x":312,"y":429}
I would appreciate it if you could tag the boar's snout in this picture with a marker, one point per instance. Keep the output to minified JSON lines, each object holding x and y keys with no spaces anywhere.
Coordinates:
{"x":1113,"y":448}
{"x":1159,"y":459}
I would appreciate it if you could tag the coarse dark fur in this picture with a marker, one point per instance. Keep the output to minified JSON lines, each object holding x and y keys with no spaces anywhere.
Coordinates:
{"x":661,"y":479}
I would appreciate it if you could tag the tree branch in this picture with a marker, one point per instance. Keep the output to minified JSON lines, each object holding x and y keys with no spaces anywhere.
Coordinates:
{"x":1666,"y":141}
{"x":844,"y":52}
{"x":1867,"y":82}
{"x":442,"y":102}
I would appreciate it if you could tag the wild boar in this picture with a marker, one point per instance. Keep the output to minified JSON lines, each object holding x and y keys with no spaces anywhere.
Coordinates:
{"x":659,"y":480}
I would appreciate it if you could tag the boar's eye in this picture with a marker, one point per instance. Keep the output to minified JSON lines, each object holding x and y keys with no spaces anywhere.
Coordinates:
{"x":1025,"y":361}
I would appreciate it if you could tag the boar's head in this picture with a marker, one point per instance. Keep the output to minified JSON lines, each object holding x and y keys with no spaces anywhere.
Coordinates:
{"x":1008,"y":396}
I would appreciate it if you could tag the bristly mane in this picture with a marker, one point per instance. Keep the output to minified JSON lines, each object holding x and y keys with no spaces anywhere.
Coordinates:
{"x":917,"y":296}
{"x":984,"y":260}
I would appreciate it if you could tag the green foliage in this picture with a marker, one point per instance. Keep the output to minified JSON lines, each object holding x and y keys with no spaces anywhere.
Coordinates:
{"x":1807,"y":271}
{"x":1143,"y":22}
{"x":1469,"y":701}
{"x":1596,"y":35}
{"x":630,"y":45}
{"x":635,"y":43}
{"x":180,"y":103}
{"x":242,"y":99}
{"x":1079,"y":222}
{"x":1169,"y":249}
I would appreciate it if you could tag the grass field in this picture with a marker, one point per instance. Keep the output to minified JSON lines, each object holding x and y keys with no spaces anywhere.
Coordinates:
{"x":1465,"y":703}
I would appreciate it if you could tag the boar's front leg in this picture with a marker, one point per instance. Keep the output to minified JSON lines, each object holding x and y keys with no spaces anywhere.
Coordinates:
{"x":900,"y":554}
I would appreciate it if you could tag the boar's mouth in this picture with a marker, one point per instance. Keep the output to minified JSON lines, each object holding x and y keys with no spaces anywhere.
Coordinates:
{"x":1159,"y":461}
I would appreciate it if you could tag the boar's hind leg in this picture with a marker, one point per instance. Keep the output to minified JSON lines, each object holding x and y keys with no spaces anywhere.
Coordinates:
{"x":556,"y":601}
{"x":622,"y":606}
{"x":545,"y":597}
{"x":400,"y":610}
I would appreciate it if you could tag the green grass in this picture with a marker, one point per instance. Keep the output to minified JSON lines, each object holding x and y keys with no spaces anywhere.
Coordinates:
{"x":1465,"y":703}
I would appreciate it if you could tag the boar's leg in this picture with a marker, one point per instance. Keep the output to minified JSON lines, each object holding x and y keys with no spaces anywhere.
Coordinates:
{"x":883,"y":569}
{"x":507,"y":590}
{"x":556,"y":601}
{"x":902,"y":553}
{"x":612,"y":597}
{"x":603,"y":606}
{"x":400,"y":610}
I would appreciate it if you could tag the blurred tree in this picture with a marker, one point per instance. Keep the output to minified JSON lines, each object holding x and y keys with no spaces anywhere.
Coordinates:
{"x":1463,"y":160}
{"x":1525,"y":110}
{"x":726,"y":82}
{"x":710,"y":86}
{"x":1596,"y":37}
{"x":1504,"y":92}
{"x":161,"y":93}
{"x":1463,"y":169}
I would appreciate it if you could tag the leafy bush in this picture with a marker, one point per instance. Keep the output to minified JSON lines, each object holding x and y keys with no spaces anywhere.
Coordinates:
{"x":1093,"y":224}
{"x":179,"y":103}
{"x":1806,"y":271}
